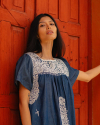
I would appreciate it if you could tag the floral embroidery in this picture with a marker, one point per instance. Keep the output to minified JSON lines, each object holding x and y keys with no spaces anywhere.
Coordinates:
{"x":63,"y":111}
{"x":53,"y":67}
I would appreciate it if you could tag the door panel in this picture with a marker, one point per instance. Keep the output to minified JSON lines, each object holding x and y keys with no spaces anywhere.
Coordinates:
{"x":71,"y":17}
{"x":15,"y":19}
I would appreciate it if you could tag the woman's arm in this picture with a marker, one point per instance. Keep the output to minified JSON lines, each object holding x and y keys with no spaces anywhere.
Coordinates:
{"x":23,"y":105}
{"x":88,"y":75}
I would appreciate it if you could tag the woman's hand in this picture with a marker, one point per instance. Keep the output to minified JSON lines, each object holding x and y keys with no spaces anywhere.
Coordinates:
{"x":88,"y":75}
{"x":24,"y":105}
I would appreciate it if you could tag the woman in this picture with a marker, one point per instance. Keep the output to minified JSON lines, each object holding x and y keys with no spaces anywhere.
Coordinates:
{"x":45,"y":78}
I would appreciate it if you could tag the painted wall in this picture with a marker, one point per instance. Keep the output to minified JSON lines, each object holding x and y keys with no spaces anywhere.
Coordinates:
{"x":96,"y":61}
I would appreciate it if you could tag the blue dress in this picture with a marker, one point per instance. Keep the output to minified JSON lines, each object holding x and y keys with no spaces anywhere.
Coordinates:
{"x":50,"y":84}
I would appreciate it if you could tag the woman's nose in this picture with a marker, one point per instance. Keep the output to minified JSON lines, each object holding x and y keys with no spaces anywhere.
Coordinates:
{"x":48,"y":26}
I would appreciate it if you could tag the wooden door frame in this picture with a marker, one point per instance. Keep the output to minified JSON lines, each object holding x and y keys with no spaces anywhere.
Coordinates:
{"x":89,"y":61}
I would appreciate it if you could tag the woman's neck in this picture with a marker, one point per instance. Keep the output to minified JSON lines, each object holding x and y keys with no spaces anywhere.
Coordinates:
{"x":46,"y":51}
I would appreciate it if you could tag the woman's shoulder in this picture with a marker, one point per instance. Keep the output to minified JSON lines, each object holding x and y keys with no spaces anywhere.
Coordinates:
{"x":27,"y":56}
{"x":25,"y":59}
{"x":24,"y":71}
{"x":63,"y":59}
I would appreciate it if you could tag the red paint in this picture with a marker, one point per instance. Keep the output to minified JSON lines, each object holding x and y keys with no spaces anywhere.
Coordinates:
{"x":15,"y":19}
{"x":90,"y":62}
{"x":96,"y":61}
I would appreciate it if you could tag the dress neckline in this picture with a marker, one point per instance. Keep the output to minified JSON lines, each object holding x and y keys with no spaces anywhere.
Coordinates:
{"x":54,"y":59}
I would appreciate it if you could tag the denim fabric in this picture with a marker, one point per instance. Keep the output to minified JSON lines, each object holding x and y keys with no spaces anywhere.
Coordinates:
{"x":51,"y":95}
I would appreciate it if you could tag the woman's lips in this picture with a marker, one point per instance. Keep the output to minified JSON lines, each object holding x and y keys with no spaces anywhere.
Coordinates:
{"x":49,"y":32}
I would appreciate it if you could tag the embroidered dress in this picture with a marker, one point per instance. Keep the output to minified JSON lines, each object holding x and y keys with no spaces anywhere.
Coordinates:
{"x":50,"y":84}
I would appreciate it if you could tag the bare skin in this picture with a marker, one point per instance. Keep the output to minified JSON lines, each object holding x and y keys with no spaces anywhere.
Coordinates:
{"x":46,"y":41}
{"x":47,"y":44}
{"x":24,"y":95}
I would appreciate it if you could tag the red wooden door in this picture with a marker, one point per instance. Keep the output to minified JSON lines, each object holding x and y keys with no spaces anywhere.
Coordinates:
{"x":15,"y":19}
{"x":72,"y":17}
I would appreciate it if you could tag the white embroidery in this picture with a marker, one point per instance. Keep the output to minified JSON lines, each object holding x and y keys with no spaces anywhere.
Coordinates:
{"x":35,"y":90}
{"x":40,"y":66}
{"x":37,"y":112}
{"x":63,"y":111}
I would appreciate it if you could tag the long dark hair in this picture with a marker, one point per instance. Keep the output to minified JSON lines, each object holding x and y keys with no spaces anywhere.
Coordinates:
{"x":33,"y":44}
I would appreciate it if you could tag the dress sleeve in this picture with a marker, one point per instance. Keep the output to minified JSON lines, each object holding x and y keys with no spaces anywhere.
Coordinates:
{"x":24,"y":72}
{"x":73,"y":73}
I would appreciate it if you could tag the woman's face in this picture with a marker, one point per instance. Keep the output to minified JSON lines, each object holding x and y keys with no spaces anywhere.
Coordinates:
{"x":47,"y":29}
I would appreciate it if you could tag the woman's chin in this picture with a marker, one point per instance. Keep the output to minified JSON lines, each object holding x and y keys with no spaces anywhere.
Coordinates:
{"x":51,"y":37}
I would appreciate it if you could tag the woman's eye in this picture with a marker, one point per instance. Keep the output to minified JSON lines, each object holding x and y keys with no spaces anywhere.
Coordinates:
{"x":42,"y":25}
{"x":52,"y":24}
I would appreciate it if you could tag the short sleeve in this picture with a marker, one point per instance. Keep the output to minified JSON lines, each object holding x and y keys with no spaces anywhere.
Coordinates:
{"x":73,"y":73}
{"x":24,"y":72}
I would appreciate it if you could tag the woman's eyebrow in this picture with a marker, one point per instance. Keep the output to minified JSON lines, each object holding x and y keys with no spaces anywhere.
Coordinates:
{"x":44,"y":22}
